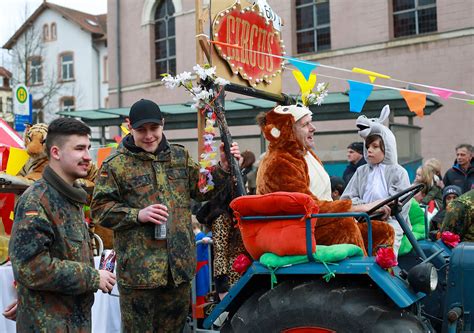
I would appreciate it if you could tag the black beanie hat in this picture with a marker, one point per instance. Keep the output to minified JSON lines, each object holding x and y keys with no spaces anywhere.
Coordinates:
{"x":145,"y":111}
{"x":356,"y":146}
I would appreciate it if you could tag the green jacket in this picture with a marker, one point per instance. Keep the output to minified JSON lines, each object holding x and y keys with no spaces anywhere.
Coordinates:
{"x":130,"y":181}
{"x":459,"y":217}
{"x":52,"y":261}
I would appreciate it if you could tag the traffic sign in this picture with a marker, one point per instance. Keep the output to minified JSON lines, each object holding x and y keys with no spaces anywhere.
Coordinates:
{"x":21,"y":101}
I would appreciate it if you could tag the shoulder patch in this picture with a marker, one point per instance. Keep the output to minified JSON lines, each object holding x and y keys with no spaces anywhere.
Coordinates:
{"x":31,"y":213}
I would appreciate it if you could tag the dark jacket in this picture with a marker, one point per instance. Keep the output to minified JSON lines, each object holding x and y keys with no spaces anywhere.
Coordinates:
{"x":459,"y":177}
{"x":132,"y":179}
{"x":351,"y":169}
{"x":52,"y":260}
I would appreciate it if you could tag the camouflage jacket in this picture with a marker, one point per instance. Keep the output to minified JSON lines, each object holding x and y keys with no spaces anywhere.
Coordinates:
{"x":459,"y":217}
{"x":130,"y":181}
{"x":52,"y":261}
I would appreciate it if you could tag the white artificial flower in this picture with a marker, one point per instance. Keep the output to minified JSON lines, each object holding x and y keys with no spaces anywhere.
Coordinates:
{"x":211,"y":71}
{"x":183,"y":77}
{"x":170,"y":81}
{"x":321,"y":86}
{"x":221,"y":82}
{"x":201,"y":72}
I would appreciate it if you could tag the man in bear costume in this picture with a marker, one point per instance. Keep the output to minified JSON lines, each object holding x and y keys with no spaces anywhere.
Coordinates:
{"x":291,"y":165}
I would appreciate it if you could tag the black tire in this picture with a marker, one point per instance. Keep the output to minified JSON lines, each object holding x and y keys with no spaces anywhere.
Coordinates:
{"x":317,"y":304}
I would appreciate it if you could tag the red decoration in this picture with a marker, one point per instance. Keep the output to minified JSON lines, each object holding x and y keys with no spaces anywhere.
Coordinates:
{"x":386,"y":258}
{"x":239,"y":35}
{"x":241,"y":264}
{"x":450,"y":239}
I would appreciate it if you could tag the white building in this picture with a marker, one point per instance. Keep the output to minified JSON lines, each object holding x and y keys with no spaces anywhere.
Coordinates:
{"x":66,"y":60}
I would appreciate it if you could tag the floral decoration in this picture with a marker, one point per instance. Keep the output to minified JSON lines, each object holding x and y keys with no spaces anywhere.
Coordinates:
{"x":315,"y":97}
{"x":241,"y":264}
{"x":386,"y":258}
{"x":204,"y":102}
{"x":450,"y":239}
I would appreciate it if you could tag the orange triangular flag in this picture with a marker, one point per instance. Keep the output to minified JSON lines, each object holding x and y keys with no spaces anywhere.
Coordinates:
{"x":102,"y":154}
{"x":416,"y":101}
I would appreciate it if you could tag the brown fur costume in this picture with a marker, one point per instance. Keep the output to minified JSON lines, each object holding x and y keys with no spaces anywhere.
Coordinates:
{"x":284,"y":169}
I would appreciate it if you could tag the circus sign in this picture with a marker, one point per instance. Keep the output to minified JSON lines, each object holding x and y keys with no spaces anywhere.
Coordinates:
{"x":249,"y":43}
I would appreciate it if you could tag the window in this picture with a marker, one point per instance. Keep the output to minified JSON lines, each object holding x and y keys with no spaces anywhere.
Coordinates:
{"x":67,"y":67}
{"x":45,"y":33}
{"x":313,"y":31}
{"x":105,"y":70}
{"x":414,"y":17}
{"x":36,"y":71}
{"x":67,"y":104}
{"x":53,"y":31}
{"x":165,"y":40}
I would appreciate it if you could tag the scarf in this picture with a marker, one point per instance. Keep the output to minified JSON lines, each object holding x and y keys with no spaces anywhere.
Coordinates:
{"x":74,"y":193}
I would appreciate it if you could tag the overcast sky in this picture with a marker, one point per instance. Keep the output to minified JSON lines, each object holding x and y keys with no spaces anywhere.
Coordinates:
{"x":12,"y":14}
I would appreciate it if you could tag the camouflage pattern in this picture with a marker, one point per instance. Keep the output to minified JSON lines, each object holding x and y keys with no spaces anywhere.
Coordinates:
{"x":459,"y":217}
{"x":128,"y":182}
{"x":161,"y":309}
{"x":52,"y":260}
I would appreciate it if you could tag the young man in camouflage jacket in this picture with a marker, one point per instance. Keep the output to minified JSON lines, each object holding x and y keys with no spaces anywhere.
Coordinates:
{"x":50,"y":248}
{"x":459,"y":217}
{"x":146,"y":183}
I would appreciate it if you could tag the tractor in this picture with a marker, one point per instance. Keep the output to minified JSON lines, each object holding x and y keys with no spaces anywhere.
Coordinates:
{"x":431,"y":289}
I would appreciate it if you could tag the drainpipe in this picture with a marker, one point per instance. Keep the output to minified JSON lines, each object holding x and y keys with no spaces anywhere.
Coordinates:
{"x":98,"y":75}
{"x":119,"y":59}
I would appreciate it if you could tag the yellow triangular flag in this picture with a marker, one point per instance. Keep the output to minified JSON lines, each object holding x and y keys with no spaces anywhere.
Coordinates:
{"x":372,"y":75}
{"x":16,"y":160}
{"x":125,"y":130}
{"x":305,"y":86}
{"x":12,"y":215}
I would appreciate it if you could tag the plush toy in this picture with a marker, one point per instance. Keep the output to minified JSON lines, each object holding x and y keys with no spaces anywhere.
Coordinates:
{"x":284,"y":168}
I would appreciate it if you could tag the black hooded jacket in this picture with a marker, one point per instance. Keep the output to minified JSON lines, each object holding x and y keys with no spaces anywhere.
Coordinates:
{"x":459,"y":177}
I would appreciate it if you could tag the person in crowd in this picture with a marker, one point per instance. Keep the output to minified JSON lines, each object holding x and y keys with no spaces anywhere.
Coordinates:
{"x":50,"y":248}
{"x":337,"y":187}
{"x":431,"y":192}
{"x":382,"y":176}
{"x":450,"y":193}
{"x":291,"y":165}
{"x":435,"y":165}
{"x":459,"y":217}
{"x":248,"y":171}
{"x":462,"y":172}
{"x":143,"y":194}
{"x":355,"y":157}
{"x":202,"y":268}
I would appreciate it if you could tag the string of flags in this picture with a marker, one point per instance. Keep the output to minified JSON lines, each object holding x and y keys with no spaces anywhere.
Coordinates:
{"x":360,"y":91}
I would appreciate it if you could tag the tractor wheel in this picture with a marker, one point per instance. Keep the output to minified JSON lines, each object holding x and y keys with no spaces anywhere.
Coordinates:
{"x":317,"y":306}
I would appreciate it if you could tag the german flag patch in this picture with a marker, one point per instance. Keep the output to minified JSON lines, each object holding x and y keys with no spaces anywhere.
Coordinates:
{"x":104,"y":174}
{"x":31,"y":213}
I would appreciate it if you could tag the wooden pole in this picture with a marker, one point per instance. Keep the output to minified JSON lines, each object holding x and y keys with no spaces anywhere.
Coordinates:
{"x":199,"y":60}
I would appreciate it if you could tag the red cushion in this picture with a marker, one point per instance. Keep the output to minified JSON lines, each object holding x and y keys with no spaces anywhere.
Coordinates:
{"x":282,"y":237}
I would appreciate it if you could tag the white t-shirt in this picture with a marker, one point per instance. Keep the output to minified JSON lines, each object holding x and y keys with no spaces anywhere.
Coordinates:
{"x":319,"y":181}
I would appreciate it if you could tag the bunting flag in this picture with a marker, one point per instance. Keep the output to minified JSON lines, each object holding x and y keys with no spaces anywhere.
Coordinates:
{"x":102,"y":154}
{"x":416,"y":101}
{"x":306,"y":86}
{"x":358,"y":94}
{"x":471,"y":102}
{"x":305,"y":67}
{"x":443,"y":93}
{"x":372,"y":75}
{"x":124,"y":129}
{"x":16,"y":160}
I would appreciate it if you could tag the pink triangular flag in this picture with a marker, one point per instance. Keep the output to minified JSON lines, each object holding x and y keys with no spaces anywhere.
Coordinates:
{"x":444,"y":94}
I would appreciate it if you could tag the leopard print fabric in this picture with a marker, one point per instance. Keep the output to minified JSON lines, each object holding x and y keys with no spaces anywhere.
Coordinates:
{"x":227,"y":246}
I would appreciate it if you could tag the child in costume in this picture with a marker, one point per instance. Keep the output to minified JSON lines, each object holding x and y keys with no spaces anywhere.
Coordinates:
{"x":382,"y":176}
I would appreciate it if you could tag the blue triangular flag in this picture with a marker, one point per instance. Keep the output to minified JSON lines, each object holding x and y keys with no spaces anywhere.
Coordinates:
{"x":358,"y":94}
{"x":305,"y":67}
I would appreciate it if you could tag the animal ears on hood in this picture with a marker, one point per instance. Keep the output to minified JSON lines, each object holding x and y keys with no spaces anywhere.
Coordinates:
{"x":384,"y":114}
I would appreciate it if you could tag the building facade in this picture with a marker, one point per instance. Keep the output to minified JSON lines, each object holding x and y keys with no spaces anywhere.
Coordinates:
{"x":6,"y":101}
{"x":61,"y":55}
{"x":421,"y":41}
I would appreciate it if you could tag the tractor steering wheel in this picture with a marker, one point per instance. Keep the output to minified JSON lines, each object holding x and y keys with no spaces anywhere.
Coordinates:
{"x":396,"y":200}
